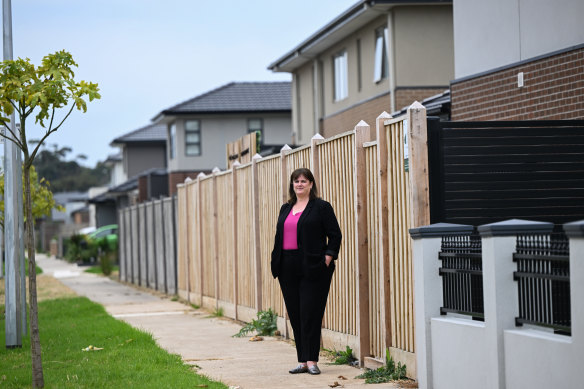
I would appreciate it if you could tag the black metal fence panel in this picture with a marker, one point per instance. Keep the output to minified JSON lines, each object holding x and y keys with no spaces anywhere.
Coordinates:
{"x":462,"y":275}
{"x":543,"y":281}
{"x":484,"y":172}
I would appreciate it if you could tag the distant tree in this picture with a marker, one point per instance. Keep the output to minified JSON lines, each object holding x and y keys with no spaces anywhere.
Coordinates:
{"x":42,"y":197}
{"x":26,"y":90}
{"x":67,"y":176}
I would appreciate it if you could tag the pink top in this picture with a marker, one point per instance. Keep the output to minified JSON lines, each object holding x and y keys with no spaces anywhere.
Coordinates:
{"x":290,"y":231}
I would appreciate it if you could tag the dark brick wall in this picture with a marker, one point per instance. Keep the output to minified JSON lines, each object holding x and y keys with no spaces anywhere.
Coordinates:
{"x":347,"y":120}
{"x":175,"y":178}
{"x":553,"y":89}
{"x":370,"y":110}
{"x":405,"y":97}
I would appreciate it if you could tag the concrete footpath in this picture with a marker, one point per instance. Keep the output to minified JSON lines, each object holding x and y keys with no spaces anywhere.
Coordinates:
{"x":201,"y":340}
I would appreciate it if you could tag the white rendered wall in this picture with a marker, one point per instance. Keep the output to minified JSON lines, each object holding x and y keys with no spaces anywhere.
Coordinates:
{"x":459,"y":351}
{"x":537,"y":359}
{"x":495,"y":33}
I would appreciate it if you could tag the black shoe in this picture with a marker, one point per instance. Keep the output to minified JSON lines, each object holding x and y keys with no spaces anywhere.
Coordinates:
{"x":299,"y":369}
{"x":314,"y":370}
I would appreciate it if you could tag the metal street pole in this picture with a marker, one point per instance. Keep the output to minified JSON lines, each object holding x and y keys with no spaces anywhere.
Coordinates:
{"x":12,"y":213}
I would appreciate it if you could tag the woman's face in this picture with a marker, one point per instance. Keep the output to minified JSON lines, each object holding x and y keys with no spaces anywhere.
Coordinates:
{"x":302,"y":186}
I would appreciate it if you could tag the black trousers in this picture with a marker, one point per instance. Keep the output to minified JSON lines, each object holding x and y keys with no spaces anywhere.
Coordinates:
{"x":305,"y":300}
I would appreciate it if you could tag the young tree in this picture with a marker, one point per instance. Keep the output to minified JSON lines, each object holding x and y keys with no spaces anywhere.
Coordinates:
{"x":42,"y":197}
{"x":42,"y":91}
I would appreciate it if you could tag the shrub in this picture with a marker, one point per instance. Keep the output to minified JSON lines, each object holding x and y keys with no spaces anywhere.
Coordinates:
{"x":264,"y":325}
{"x":389,"y":372}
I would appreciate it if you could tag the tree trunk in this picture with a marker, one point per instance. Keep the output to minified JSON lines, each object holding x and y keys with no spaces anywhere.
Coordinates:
{"x":38,"y":380}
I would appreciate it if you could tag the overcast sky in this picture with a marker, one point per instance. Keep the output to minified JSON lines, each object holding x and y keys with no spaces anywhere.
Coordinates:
{"x":147,"y":55}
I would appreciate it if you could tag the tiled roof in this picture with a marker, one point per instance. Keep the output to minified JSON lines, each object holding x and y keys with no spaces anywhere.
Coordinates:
{"x":150,"y":133}
{"x":238,"y":97}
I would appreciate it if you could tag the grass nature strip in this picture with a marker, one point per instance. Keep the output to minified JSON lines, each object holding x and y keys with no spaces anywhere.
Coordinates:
{"x":129,"y":359}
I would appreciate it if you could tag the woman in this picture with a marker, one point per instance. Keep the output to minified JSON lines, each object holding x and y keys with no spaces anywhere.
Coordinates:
{"x":307,"y":242}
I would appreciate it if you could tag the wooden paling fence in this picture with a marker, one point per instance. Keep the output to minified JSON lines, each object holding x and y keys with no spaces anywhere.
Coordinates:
{"x":377,"y":182}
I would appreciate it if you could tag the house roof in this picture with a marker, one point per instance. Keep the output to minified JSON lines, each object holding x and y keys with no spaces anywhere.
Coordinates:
{"x":237,"y":97}
{"x":339,"y":28}
{"x":152,"y":133}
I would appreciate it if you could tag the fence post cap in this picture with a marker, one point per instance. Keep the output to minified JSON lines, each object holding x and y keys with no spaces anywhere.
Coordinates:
{"x":316,"y":136}
{"x":257,"y":156}
{"x":201,"y":175}
{"x":515,"y":226}
{"x":236,"y":163}
{"x":362,"y":123}
{"x":188,"y":179}
{"x":416,"y":105}
{"x":384,"y":115}
{"x":440,"y":229}
{"x":574,"y":229}
{"x":286,"y":148}
{"x":216,"y":170}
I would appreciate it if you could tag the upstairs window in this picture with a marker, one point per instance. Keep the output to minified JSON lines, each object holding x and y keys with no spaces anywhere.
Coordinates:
{"x":340,"y":76}
{"x":381,"y":69}
{"x":254,"y":125}
{"x":192,"y":138}
{"x":172,"y":142}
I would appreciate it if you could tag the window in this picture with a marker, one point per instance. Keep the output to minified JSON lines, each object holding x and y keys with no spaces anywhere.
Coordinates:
{"x":192,"y":138}
{"x":172,"y":142}
{"x":340,"y":74}
{"x":256,"y":125}
{"x":381,"y":69}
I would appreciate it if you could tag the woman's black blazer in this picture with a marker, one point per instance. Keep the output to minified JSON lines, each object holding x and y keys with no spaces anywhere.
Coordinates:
{"x":318,"y":235}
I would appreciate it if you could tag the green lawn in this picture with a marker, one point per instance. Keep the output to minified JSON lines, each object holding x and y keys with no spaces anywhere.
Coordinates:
{"x":129,"y":359}
{"x":97,"y":269}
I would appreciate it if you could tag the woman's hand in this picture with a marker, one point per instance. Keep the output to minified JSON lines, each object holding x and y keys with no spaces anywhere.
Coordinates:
{"x":328,"y":259}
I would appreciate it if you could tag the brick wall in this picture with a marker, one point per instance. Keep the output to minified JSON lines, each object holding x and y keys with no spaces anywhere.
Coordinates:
{"x":347,"y":120}
{"x":142,"y":189}
{"x":370,"y":110}
{"x":175,"y":178}
{"x":405,"y":97}
{"x":553,"y":89}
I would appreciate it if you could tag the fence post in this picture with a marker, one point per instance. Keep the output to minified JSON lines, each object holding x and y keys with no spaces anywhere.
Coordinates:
{"x":234,"y":167}
{"x":256,"y":230}
{"x":499,"y":290}
{"x":315,"y":158}
{"x":428,"y":290}
{"x":189,"y":246}
{"x":200,"y":221}
{"x":383,"y":212}
{"x":284,"y":176}
{"x":575,"y":231}
{"x":362,"y":135}
{"x":284,"y":196}
{"x":417,"y":143}
{"x":216,"y":236}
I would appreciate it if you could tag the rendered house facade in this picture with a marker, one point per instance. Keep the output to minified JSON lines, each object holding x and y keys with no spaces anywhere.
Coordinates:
{"x":198,"y":129}
{"x":518,"y":60}
{"x":377,"y":56}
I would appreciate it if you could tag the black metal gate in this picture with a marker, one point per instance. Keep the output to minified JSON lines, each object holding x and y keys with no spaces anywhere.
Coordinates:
{"x":483,"y":172}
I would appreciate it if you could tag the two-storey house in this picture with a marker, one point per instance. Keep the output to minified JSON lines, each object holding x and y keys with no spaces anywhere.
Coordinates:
{"x":198,"y":129}
{"x":377,"y":56}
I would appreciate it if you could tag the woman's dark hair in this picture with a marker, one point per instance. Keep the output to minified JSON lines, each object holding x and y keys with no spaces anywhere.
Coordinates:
{"x":308,"y":175}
